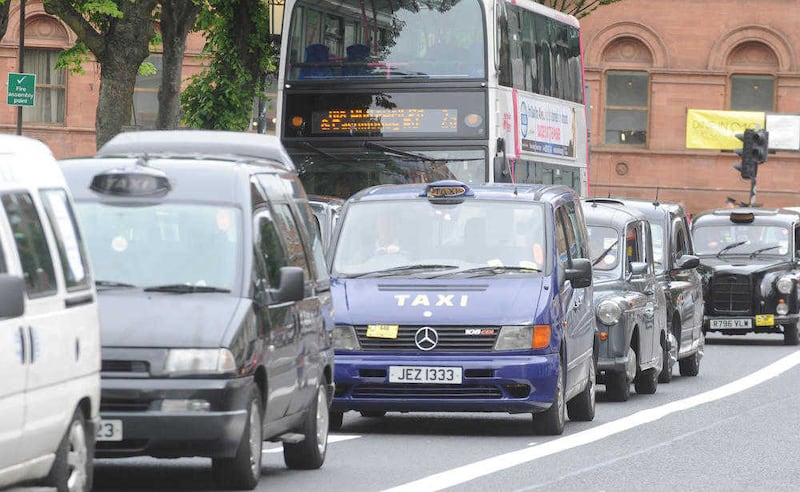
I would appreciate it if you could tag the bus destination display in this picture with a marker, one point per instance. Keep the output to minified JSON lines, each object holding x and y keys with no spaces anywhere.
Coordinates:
{"x":374,"y":121}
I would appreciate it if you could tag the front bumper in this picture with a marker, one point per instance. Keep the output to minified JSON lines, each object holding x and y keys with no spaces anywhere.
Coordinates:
{"x":148,"y":430}
{"x":732,"y":325}
{"x":497,"y":383}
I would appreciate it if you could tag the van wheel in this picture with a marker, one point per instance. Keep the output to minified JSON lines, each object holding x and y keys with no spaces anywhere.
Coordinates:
{"x":790,"y":335}
{"x":335,"y":420}
{"x":243,"y":471}
{"x":72,"y":470}
{"x":581,"y":408}
{"x":309,"y":454}
{"x":551,"y":421}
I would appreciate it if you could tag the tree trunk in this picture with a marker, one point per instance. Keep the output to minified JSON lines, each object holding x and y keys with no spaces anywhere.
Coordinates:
{"x":177,"y":19}
{"x":117,"y":81}
{"x":4,"y":9}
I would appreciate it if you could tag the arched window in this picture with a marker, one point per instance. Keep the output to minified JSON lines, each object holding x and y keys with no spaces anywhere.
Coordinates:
{"x":752,"y":88}
{"x":627,"y":92}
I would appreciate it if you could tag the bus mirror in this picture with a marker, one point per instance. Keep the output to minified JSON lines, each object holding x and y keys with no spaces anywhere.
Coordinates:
{"x":502,"y":171}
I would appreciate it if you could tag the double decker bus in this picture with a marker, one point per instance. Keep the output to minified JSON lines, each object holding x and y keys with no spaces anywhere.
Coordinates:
{"x":402,"y":91}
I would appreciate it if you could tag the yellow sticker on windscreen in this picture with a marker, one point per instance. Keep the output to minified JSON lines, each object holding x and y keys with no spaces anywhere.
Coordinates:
{"x":382,"y":331}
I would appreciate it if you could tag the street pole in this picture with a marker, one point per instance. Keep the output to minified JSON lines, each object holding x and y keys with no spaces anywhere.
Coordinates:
{"x":752,"y":192}
{"x":21,"y":57}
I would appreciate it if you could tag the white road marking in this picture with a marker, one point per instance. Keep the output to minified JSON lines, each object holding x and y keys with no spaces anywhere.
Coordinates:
{"x":466,"y":473}
{"x":332,"y":438}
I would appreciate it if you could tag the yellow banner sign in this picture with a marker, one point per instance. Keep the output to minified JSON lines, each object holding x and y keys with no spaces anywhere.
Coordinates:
{"x":709,"y":129}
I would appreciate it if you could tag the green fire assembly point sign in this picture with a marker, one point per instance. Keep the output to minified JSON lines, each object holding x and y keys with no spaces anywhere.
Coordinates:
{"x":21,"y":89}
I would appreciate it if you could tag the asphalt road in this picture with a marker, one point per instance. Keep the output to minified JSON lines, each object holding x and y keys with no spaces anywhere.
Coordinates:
{"x":733,"y":427}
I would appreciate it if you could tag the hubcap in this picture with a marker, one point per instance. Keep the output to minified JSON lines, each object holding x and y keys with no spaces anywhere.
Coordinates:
{"x":630,"y":368}
{"x":322,"y":420}
{"x":592,"y":379}
{"x":77,"y":458}
{"x":254,"y":439}
{"x":673,"y":350}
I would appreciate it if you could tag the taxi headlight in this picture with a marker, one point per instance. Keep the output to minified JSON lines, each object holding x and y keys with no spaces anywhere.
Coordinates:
{"x":200,"y":361}
{"x":785,"y":284}
{"x":514,"y":338}
{"x":609,"y":312}
{"x":344,"y":338}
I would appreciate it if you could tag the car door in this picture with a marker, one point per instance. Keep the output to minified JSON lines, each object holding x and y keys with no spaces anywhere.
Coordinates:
{"x":688,"y":283}
{"x":277,"y":321}
{"x":13,"y":367}
{"x":637,"y":241}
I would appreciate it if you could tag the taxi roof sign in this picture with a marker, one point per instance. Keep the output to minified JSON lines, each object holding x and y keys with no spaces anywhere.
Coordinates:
{"x":450,"y":191}
{"x":742,"y":217}
{"x":133,"y":181}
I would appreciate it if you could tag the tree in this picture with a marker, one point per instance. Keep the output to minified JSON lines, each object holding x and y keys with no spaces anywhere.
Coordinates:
{"x":239,"y":53}
{"x":118,"y":34}
{"x":578,"y":8}
{"x":178,"y":17}
{"x":5,"y":5}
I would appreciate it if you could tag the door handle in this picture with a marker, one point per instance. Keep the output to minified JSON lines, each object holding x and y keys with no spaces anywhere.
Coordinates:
{"x":33,"y":345}
{"x":22,"y":345}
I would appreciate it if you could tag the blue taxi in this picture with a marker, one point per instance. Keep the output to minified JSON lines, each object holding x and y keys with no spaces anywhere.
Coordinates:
{"x":453,"y":297}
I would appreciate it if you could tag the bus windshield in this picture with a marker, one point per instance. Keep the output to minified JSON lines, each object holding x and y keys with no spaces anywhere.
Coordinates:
{"x":413,"y":237}
{"x":388,"y":39}
{"x":343,"y":171}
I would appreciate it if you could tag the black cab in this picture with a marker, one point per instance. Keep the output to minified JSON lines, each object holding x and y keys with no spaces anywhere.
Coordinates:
{"x":214,"y":299}
{"x":751,"y":266}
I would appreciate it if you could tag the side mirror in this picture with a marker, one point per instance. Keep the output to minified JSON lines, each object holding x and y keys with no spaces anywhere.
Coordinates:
{"x":686,"y":262}
{"x":291,"y":287}
{"x":580,"y":275}
{"x":638,"y":268}
{"x":12,"y":296}
{"x":502,"y":170}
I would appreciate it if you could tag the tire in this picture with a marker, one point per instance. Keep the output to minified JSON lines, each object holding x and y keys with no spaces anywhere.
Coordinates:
{"x":618,"y":384}
{"x":243,"y":471}
{"x":73,"y":468}
{"x":669,"y":357}
{"x":551,"y":421}
{"x":690,"y":366}
{"x":647,"y":382}
{"x":581,"y":408}
{"x":373,"y":414}
{"x":335,"y":420}
{"x":790,"y":334}
{"x":309,"y":454}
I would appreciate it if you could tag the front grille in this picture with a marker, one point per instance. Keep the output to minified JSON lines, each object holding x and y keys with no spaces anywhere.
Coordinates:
{"x":731,"y":294}
{"x":136,"y":366}
{"x":424,"y":391}
{"x":451,"y":339}
{"x":123,"y":405}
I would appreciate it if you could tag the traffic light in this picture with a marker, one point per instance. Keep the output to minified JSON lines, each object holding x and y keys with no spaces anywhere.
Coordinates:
{"x":760,"y":146}
{"x":754,"y":151}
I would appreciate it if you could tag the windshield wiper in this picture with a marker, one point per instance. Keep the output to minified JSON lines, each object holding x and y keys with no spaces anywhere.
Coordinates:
{"x":185,"y":289}
{"x":761,"y":250}
{"x":402,"y":269}
{"x":112,"y":284}
{"x":373,"y":145}
{"x":493,"y":270}
{"x":604,"y":253}
{"x":311,"y":146}
{"x":731,"y":246}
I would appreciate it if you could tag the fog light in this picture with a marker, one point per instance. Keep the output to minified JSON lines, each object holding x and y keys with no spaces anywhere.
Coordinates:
{"x":178,"y":406}
{"x":782,"y":308}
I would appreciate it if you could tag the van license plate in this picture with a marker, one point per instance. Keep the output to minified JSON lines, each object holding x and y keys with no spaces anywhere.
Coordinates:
{"x":419,"y":374}
{"x":110,"y":430}
{"x":731,"y":324}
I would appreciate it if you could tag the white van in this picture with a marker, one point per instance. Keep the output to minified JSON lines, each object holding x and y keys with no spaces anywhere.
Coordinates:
{"x":49,"y":328}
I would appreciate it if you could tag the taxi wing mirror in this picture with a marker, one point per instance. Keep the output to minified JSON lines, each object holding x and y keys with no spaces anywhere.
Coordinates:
{"x":12,"y":296}
{"x":580,"y":275}
{"x":638,"y":268}
{"x":291,"y":287}
{"x":686,"y":262}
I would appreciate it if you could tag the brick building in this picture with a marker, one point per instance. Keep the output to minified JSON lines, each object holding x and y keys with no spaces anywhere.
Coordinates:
{"x":647,"y":62}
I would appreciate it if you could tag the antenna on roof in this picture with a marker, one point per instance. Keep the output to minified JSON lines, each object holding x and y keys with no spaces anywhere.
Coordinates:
{"x":655,"y":202}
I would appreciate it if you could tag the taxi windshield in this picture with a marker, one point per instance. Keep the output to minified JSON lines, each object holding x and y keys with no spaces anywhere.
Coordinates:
{"x":168,"y":244}
{"x":734,"y":239}
{"x":421,"y":238}
{"x":605,"y":247}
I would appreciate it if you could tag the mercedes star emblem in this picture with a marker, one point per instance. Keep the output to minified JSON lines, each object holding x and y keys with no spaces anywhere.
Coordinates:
{"x":426,"y":338}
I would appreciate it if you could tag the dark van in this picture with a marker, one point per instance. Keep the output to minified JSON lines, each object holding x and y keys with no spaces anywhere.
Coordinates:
{"x":214,"y":298}
{"x":454,"y":297}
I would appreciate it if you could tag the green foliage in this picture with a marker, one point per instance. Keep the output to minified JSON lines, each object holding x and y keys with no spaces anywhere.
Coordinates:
{"x":72,"y":59}
{"x":238,"y":54}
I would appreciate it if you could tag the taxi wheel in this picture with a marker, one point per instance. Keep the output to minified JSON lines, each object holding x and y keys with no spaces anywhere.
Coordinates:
{"x":373,"y":414}
{"x":690,"y":366}
{"x":243,"y":471}
{"x":618,"y":384}
{"x":551,"y":421}
{"x":581,"y":408}
{"x":335,"y":420}
{"x":669,"y":356}
{"x":790,"y":335}
{"x":647,"y":382}
{"x":309,"y":454}
{"x":72,"y":468}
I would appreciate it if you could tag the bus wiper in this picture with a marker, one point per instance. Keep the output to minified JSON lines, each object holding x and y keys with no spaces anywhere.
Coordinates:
{"x":604,"y":253}
{"x":731,"y":246}
{"x":316,"y":149}
{"x":112,"y":284}
{"x":761,"y":250}
{"x":185,"y":289}
{"x":493,"y":270}
{"x":373,"y":145}
{"x":403,"y":269}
